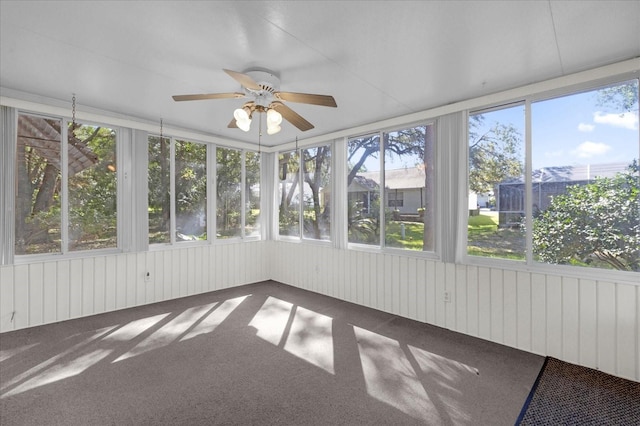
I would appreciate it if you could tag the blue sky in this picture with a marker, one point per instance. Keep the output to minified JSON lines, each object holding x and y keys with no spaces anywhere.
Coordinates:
{"x":575,"y":130}
{"x":571,"y":130}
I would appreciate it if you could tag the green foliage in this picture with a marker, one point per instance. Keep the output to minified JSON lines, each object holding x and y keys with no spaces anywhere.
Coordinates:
{"x":364,"y":228}
{"x":597,"y":224}
{"x":93,"y":191}
{"x":622,"y":97}
{"x":494,"y":156}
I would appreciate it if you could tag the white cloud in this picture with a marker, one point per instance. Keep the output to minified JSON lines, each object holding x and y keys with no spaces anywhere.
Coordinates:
{"x":584,"y":127}
{"x":590,"y":149}
{"x":627,"y":120}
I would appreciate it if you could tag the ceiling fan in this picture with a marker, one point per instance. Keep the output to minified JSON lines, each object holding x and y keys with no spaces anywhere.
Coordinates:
{"x":263,"y":88}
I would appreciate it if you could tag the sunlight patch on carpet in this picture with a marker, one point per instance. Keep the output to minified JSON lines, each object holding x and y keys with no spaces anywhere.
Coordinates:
{"x":299,"y":331}
{"x":215,"y":318}
{"x":390,"y":378}
{"x":168,"y":333}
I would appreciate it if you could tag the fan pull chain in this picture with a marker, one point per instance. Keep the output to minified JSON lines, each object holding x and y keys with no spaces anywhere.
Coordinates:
{"x":73,"y":113}
{"x":260,"y":134}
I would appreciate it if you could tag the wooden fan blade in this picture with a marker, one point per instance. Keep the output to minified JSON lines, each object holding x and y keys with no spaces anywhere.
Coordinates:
{"x":291,"y":116}
{"x":205,"y":96}
{"x":307,"y":98}
{"x":243,"y":79}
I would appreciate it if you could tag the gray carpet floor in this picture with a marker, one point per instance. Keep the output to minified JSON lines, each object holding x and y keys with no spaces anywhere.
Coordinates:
{"x":264,"y":353}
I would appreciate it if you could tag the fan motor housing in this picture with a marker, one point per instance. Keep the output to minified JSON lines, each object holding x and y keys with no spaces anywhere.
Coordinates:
{"x":269,"y":83}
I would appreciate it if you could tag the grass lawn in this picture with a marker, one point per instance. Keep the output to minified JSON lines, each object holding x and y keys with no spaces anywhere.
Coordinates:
{"x":484,"y":237}
{"x":413,"y":232}
{"x":487,"y":240}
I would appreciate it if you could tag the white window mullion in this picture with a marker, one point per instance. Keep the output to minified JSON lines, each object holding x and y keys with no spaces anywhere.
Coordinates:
{"x":212,"y":179}
{"x":382,"y":193}
{"x":243,"y":185}
{"x":64,"y":173}
{"x":528,"y":184}
{"x":172,"y":190}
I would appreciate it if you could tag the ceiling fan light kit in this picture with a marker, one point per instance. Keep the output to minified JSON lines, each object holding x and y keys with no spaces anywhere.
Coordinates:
{"x":264,"y":88}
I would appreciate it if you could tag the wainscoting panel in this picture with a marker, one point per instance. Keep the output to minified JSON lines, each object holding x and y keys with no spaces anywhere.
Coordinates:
{"x":582,"y":321}
{"x":44,"y":292}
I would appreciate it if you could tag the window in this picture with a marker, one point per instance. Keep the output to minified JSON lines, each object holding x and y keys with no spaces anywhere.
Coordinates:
{"x":185,"y":193}
{"x":585,"y":191}
{"x":159,"y":178}
{"x":63,"y":207}
{"x":580,"y":203}
{"x":289,"y":193}
{"x":252,"y":194}
{"x":496,"y":184}
{"x":408,"y":183}
{"x":363,"y":189}
{"x":395,"y":198}
{"x":191,"y":191}
{"x":228,"y":192}
{"x":406,"y":173}
{"x":317,"y":192}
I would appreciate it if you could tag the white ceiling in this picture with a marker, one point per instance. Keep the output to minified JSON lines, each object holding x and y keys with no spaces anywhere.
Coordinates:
{"x":379,"y":59}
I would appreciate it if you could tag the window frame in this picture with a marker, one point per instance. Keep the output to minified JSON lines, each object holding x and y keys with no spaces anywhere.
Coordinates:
{"x":298,"y":150}
{"x":529,"y":264}
{"x":381,"y":247}
{"x":64,"y":193}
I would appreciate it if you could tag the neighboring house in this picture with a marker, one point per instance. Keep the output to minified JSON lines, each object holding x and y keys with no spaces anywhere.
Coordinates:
{"x":404,"y":189}
{"x":547,"y":183}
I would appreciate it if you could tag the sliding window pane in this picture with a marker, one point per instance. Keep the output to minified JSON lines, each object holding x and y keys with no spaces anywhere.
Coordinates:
{"x":317,"y":193}
{"x":408,"y":182}
{"x":363,"y":186}
{"x":289,"y":210}
{"x":496,"y":184}
{"x":228,"y":193}
{"x":38,"y":215}
{"x":92,"y":187}
{"x":252,"y":194}
{"x":191,"y":191}
{"x":159,"y":190}
{"x":585,"y":191}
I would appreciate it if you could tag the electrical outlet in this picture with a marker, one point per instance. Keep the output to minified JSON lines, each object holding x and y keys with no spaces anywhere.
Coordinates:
{"x":447,"y":297}
{"x":147,"y":277}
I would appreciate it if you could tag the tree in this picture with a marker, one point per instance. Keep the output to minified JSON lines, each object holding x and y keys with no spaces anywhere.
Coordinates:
{"x":416,"y":145}
{"x":597,"y":223}
{"x":623,"y":96}
{"x":494,"y":154}
{"x":316,"y":167}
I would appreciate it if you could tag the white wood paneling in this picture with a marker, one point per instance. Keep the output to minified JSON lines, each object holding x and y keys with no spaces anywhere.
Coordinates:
{"x":591,"y":323}
{"x":538,"y":314}
{"x":45,"y":292}
{"x":523,"y":310}
{"x":570,"y":320}
{"x":627,"y":330}
{"x":7,"y":305}
{"x":36,"y":293}
{"x":50,"y":292}
{"x":607,"y":344}
{"x":588,"y":314}
{"x":554,"y":316}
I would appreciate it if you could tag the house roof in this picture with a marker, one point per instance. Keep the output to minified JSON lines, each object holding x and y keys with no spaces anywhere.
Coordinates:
{"x":43,"y":135}
{"x":575,"y":173}
{"x":405,"y":178}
